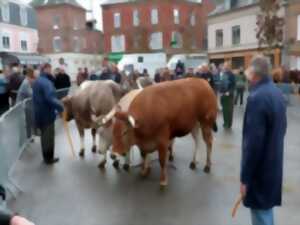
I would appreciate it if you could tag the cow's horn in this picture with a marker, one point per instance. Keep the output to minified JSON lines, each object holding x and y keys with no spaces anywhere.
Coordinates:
{"x":109,"y":116}
{"x":131,"y":121}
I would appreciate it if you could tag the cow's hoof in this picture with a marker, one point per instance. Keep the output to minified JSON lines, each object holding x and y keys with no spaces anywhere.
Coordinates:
{"x":94,"y":149}
{"x":81,"y":153}
{"x":145,"y":172}
{"x":206,"y":169}
{"x":116,"y":164}
{"x":126,"y":167}
{"x":113,"y":156}
{"x":163,"y":185}
{"x":101,"y":165}
{"x":171,"y":158}
{"x":192,"y":165}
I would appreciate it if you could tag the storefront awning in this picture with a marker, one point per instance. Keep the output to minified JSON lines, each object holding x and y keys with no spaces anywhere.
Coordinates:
{"x":22,"y":58}
{"x":115,"y":57}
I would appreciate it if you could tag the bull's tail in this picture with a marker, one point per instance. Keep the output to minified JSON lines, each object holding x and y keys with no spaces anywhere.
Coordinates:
{"x":215,"y":127}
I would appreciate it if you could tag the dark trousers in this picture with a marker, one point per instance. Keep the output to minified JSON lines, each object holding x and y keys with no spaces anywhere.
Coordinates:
{"x":239,"y":95}
{"x":4,"y":103}
{"x":227,"y":106}
{"x":47,"y":142}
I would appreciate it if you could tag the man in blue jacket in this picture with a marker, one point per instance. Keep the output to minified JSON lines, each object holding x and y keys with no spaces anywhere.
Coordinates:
{"x":264,"y":130}
{"x":46,"y":106}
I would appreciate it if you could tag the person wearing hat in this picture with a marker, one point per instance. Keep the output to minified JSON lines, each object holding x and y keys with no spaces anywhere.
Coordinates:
{"x":46,"y":106}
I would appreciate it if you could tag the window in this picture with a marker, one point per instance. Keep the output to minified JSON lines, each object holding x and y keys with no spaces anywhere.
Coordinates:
{"x":23,"y":16}
{"x":76,"y":44}
{"x":76,"y":24}
{"x":219,"y":38}
{"x":176,"y":16}
{"x":154,"y":16}
{"x":136,"y":17}
{"x":193,"y":19}
{"x":56,"y":22}
{"x":176,"y":40}
{"x":5,"y":12}
{"x":298,"y":28}
{"x":24,"y":45}
{"x":6,"y":42}
{"x":117,"y":20}
{"x":118,"y":43}
{"x":57,"y":44}
{"x":236,"y":35}
{"x":156,"y":41}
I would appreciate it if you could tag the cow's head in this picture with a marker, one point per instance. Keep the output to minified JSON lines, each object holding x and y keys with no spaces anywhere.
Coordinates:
{"x":123,"y":132}
{"x":67,"y":102}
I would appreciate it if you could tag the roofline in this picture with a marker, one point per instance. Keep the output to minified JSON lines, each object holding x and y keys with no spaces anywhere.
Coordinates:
{"x":59,"y":4}
{"x":140,"y":2}
{"x":233,"y":10}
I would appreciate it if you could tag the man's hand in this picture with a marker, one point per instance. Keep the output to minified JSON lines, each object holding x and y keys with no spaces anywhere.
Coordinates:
{"x":243,"y":190}
{"x":18,"y":220}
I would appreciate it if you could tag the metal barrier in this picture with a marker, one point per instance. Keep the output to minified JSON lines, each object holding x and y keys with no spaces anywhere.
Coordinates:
{"x":16,"y":129}
{"x":13,"y":140}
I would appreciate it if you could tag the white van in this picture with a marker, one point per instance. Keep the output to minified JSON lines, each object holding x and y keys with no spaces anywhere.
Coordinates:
{"x":151,"y":62}
{"x":189,"y":60}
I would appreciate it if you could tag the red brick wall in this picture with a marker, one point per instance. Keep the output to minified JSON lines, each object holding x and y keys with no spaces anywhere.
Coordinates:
{"x":68,"y":14}
{"x":166,"y":21}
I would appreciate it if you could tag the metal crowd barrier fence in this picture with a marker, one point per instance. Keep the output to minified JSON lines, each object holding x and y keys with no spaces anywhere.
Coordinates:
{"x":16,"y":129}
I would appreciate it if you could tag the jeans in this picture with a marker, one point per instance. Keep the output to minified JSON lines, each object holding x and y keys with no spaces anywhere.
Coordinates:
{"x":239,"y":95}
{"x":262,"y":217}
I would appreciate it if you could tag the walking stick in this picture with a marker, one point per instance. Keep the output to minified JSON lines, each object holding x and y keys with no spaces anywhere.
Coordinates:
{"x":68,"y":132}
{"x":236,"y":206}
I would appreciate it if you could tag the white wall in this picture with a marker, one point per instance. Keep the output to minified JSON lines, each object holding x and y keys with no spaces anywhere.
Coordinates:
{"x":246,"y":19}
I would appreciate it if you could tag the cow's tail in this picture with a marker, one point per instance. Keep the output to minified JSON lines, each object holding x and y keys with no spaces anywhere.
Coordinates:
{"x":213,"y":120}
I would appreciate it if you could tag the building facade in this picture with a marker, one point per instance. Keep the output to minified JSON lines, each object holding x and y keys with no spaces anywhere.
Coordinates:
{"x":65,"y":34}
{"x":232,"y":34}
{"x":18,"y":33}
{"x":174,"y":26}
{"x":293,"y":33}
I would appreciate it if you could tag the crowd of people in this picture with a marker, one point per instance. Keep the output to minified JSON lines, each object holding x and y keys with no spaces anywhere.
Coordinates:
{"x":263,"y":130}
{"x":16,"y":84}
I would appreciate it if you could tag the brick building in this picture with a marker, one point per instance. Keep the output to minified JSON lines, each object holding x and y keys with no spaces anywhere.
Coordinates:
{"x":65,"y":33}
{"x":173,"y":26}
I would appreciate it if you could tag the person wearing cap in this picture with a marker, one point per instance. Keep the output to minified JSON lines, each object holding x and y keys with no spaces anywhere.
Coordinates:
{"x":264,"y":130}
{"x":46,"y":106}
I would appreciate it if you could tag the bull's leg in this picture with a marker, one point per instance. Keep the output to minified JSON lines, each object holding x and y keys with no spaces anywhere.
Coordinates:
{"x":171,"y":153}
{"x":126,"y":165}
{"x":94,"y":148}
{"x":145,"y":166}
{"x":196,"y":137}
{"x":208,"y":138}
{"x":163,"y":161}
{"x":104,"y":160}
{"x":81,"y":134}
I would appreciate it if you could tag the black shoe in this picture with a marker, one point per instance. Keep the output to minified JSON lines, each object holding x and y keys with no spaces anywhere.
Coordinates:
{"x":52,"y":161}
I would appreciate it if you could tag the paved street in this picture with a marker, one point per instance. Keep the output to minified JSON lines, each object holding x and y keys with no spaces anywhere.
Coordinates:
{"x":76,"y":192}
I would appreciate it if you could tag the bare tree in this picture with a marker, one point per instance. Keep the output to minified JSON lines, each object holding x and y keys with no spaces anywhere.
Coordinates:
{"x":270,"y":25}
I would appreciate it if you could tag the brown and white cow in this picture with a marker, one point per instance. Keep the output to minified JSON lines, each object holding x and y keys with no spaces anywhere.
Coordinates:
{"x":93,"y":99}
{"x":163,"y":112}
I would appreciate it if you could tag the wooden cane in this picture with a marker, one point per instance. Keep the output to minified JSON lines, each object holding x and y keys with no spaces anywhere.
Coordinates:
{"x":236,"y":206}
{"x":68,"y":132}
